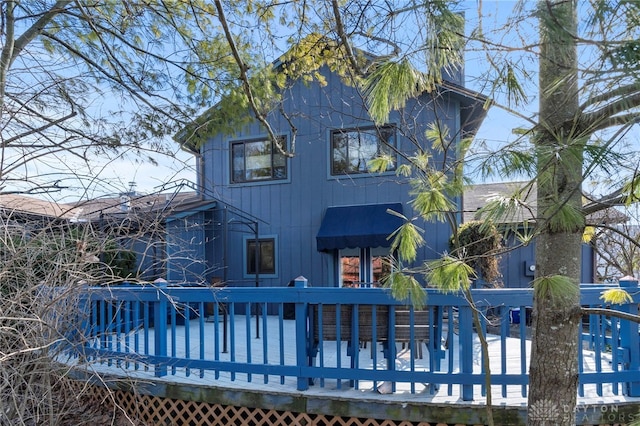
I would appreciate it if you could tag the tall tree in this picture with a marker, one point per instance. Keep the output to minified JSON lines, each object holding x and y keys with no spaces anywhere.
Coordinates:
{"x":588,"y":91}
{"x":587,"y":85}
{"x":82,"y":80}
{"x":87,"y":80}
{"x":80,"y":77}
{"x":559,"y":141}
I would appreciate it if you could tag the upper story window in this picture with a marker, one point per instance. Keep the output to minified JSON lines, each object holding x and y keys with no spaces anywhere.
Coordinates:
{"x":257,"y":160}
{"x":352,"y":149}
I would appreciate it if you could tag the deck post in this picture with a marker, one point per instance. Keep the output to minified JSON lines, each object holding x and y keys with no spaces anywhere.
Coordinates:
{"x":629,"y":340}
{"x":84,"y":331}
{"x":302,"y":340}
{"x":465,"y":320}
{"x":160,"y":327}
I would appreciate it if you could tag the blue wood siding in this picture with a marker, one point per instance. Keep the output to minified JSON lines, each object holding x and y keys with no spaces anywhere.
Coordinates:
{"x":150,"y":257}
{"x":186,"y":243}
{"x":514,"y":263}
{"x":293,"y":208}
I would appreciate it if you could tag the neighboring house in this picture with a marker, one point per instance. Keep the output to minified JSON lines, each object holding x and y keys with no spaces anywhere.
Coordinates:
{"x":322,"y":214}
{"x":21,"y":208}
{"x":22,"y":215}
{"x":518,"y":260}
{"x":159,"y":228}
{"x":37,"y":241}
{"x":151,"y":227}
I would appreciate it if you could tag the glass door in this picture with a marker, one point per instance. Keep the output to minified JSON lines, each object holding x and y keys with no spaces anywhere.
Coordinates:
{"x":363,"y":266}
{"x":349,"y":267}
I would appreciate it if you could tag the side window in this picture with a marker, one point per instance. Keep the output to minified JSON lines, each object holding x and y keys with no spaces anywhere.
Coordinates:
{"x":265,"y":254}
{"x":352,"y":149}
{"x":257,"y":160}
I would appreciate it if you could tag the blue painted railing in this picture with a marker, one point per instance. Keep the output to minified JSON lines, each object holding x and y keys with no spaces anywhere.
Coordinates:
{"x":197,"y":330}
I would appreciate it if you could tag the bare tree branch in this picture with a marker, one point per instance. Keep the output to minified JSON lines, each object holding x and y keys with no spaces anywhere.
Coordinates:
{"x":344,"y":39}
{"x":611,"y":313}
{"x":244,"y":79}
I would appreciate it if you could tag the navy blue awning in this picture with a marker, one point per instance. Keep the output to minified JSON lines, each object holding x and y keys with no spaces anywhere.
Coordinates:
{"x":358,"y":226}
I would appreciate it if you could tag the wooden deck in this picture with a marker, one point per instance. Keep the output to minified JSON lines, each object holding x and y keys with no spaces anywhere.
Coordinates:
{"x":135,"y":339}
{"x":368,"y":358}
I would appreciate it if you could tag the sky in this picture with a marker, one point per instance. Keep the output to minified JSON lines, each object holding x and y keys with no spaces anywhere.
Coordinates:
{"x":131,"y":172}
{"x":496,"y":128}
{"x":117,"y":176}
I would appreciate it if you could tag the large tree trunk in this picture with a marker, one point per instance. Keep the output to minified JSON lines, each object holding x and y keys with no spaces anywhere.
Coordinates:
{"x":553,"y":371}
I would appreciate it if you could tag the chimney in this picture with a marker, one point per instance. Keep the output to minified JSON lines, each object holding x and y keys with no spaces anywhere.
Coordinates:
{"x":125,"y":202}
{"x":125,"y":198}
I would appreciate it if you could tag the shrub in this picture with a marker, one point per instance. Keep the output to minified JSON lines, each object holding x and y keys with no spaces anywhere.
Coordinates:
{"x":479,"y":244}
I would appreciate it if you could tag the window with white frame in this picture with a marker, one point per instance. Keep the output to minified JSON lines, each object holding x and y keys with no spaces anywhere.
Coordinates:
{"x":257,"y":160}
{"x":353,"y":149}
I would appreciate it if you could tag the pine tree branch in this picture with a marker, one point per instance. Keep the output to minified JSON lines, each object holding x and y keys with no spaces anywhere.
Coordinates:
{"x":616,"y":198}
{"x":606,"y":116}
{"x":621,"y":91}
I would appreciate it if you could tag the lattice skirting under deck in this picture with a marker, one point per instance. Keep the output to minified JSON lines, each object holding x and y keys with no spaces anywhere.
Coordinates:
{"x":153,"y":410}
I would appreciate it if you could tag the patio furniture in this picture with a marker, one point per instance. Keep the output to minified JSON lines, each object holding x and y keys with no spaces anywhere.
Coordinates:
{"x":366,"y":332}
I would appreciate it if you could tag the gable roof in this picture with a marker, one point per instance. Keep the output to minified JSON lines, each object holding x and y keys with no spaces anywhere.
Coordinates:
{"x":473,"y":109}
{"x":132,"y":203}
{"x":154,"y":205}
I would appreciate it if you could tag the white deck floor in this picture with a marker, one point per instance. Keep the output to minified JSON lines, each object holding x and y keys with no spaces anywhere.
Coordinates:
{"x":365,"y":389}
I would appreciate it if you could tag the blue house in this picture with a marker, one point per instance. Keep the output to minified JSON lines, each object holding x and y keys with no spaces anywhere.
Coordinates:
{"x":517,"y":263}
{"x":320,"y":213}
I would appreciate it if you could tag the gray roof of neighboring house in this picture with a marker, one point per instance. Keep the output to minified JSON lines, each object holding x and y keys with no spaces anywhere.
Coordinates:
{"x":477,"y":196}
{"x":15,"y":203}
{"x":156,"y":205}
{"x":127,"y":204}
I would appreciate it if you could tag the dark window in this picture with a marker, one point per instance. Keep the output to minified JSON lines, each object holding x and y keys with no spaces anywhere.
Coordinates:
{"x":352,"y":149}
{"x":257,"y":160}
{"x":266,"y":256}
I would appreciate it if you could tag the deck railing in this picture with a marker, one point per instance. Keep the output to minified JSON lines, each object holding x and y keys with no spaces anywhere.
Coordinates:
{"x":213,"y":331}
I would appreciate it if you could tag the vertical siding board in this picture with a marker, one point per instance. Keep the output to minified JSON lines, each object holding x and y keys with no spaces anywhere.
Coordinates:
{"x":294,"y":209}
